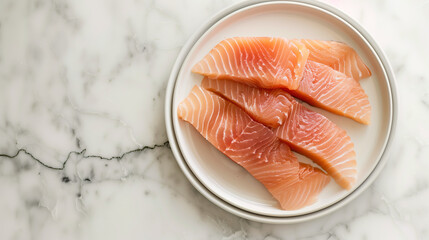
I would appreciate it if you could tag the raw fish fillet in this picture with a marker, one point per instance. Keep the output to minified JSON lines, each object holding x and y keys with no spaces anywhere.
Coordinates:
{"x":338,"y":56}
{"x":258,"y":61}
{"x":253,"y":146}
{"x":314,"y":136}
{"x":305,"y":192}
{"x":323,"y":87}
{"x":268,"y":106}
{"x":305,"y":131}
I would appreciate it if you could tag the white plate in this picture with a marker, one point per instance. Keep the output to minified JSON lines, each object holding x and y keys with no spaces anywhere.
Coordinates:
{"x":206,"y":167}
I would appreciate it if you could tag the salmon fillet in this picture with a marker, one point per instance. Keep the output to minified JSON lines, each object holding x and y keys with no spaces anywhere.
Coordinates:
{"x":304,"y":130}
{"x":258,"y":61}
{"x":253,"y":146}
{"x":338,"y":56}
{"x":324,"y":87}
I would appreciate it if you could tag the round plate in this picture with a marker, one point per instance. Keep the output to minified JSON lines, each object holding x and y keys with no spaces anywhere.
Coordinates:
{"x":227,"y":184}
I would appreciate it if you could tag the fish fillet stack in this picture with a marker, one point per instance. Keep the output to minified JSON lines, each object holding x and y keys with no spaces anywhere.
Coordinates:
{"x":249,"y":106}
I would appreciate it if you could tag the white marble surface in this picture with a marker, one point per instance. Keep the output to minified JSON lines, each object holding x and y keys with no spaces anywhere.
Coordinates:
{"x":84,"y":152}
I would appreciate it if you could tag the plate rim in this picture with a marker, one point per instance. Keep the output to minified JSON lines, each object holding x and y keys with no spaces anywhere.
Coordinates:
{"x":379,"y":54}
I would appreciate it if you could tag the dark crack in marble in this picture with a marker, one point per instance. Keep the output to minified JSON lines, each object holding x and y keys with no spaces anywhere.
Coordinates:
{"x":166,"y":144}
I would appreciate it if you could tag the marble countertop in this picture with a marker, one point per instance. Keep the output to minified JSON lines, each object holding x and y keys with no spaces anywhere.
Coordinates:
{"x":83,"y":148}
